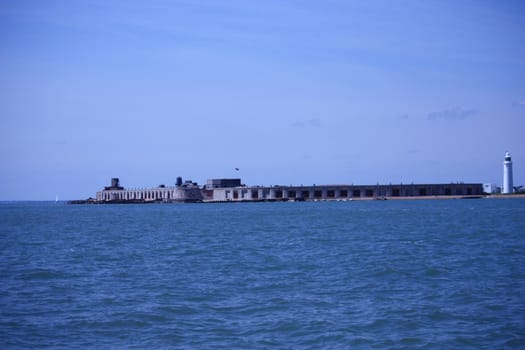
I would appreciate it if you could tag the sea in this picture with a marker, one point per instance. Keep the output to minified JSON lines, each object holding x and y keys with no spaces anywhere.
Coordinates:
{"x":394,"y":274}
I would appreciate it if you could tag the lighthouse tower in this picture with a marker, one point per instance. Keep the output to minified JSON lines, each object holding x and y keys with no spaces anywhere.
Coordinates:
{"x":507,"y":174}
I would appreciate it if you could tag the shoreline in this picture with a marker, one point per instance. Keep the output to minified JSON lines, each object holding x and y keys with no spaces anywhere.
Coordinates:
{"x":398,"y":198}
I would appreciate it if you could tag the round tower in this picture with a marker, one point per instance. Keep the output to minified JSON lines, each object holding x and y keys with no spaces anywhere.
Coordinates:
{"x":507,"y":175}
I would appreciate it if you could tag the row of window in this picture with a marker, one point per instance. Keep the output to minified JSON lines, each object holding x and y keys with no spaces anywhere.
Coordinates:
{"x":318,"y":194}
{"x":125,"y":195}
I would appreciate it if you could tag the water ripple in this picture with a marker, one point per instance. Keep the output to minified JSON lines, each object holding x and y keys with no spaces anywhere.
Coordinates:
{"x":389,"y":275}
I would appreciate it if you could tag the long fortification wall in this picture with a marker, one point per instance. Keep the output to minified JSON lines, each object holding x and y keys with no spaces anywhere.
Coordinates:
{"x":339,"y":192}
{"x":190,"y":192}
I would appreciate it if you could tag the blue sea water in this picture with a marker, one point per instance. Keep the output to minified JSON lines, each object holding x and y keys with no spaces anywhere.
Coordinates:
{"x":437,"y":274}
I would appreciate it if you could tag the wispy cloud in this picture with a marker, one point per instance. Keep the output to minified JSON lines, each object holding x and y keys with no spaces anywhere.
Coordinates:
{"x":314,"y":123}
{"x":404,"y":116}
{"x":519,"y":103}
{"x":455,"y":113}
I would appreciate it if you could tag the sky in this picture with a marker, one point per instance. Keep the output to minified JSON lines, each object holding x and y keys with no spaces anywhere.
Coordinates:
{"x":287,"y":91}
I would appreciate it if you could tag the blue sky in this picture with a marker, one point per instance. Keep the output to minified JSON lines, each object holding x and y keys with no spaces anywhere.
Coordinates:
{"x":290,"y":92}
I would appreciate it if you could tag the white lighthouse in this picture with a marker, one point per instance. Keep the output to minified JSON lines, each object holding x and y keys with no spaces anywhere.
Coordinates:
{"x":507,"y":174}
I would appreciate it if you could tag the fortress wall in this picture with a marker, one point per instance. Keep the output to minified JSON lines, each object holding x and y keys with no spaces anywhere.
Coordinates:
{"x":341,"y":192}
{"x":170,"y":194}
{"x":285,"y":193}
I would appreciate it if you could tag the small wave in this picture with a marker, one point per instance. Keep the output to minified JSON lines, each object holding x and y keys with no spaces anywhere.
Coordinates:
{"x":432,"y":272}
{"x":42,"y":274}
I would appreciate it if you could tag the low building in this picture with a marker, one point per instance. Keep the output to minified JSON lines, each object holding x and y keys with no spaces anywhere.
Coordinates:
{"x":222,"y":183}
{"x":491,"y":188}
